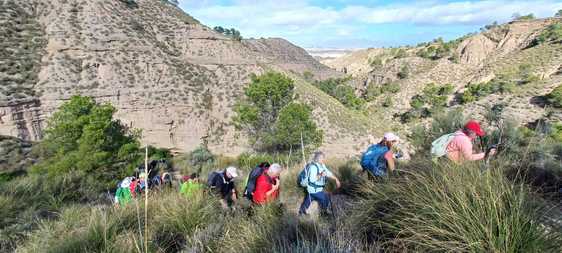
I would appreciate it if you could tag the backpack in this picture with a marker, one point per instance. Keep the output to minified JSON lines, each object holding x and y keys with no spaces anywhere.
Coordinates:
{"x":303,"y":179}
{"x":252,"y":177}
{"x":439,"y":146}
{"x":155,"y":181}
{"x":211,"y":177}
{"x":373,"y":159}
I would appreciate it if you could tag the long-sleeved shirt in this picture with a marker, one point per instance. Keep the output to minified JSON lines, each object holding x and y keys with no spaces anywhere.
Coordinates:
{"x":460,"y":149}
{"x":314,"y":177}
{"x":264,"y":183}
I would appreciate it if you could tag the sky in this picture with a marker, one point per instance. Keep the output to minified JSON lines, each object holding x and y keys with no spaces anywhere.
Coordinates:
{"x":360,"y":23}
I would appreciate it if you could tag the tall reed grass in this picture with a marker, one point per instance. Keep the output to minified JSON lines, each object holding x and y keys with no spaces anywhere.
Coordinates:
{"x":444,"y":207}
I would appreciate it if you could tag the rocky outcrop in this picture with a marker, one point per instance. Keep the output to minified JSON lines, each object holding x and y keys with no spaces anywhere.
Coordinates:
{"x":15,"y":155}
{"x":22,"y":119}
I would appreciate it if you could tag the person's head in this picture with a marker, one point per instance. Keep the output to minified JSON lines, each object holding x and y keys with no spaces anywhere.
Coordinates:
{"x":231,"y":172}
{"x":274,"y":170}
{"x":318,"y":157}
{"x":194,"y":176}
{"x":390,"y":139}
{"x":472,"y":129}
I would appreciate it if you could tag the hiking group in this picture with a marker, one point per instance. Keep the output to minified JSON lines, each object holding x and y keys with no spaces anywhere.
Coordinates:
{"x":264,"y":181}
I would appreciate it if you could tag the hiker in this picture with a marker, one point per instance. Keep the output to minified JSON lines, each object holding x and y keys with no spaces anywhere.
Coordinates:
{"x":378,"y":160}
{"x":267,"y":185}
{"x":458,"y":146}
{"x":313,"y":178}
{"x":166,"y":180}
{"x":123,"y":193}
{"x":222,"y":183}
{"x":252,"y":177}
{"x":142,"y":182}
{"x":134,"y":186}
{"x":190,"y":185}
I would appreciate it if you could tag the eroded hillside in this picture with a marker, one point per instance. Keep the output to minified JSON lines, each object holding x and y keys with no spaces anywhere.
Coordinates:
{"x":166,"y":73}
{"x":504,"y":58}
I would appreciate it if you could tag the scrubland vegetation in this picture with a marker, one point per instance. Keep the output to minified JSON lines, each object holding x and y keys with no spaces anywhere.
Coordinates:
{"x":425,"y":206}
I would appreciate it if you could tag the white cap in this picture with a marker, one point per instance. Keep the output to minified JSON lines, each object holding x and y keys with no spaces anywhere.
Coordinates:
{"x":389,"y":136}
{"x":126,"y":182}
{"x":232,"y":172}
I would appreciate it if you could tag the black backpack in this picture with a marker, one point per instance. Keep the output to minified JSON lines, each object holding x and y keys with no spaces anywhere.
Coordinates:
{"x":211,"y":178}
{"x":252,"y":177}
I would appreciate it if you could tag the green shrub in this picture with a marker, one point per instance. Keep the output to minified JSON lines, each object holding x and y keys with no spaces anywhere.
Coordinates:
{"x":442,"y":123}
{"x":308,"y":76}
{"x":555,"y":97}
{"x":404,"y":72}
{"x":552,"y":34}
{"x":266,"y":110}
{"x":517,"y":16}
{"x":340,"y":90}
{"x":449,"y":208}
{"x":390,"y":88}
{"x":376,"y":62}
{"x":233,"y":33}
{"x":294,"y":125}
{"x":387,"y":102}
{"x":83,"y":136}
{"x":432,"y":100}
{"x":198,"y":160}
{"x":373,"y":90}
{"x":400,"y":53}
{"x":497,"y":85}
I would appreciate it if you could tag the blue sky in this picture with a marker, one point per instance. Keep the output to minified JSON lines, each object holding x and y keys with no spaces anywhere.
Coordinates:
{"x":360,"y":23}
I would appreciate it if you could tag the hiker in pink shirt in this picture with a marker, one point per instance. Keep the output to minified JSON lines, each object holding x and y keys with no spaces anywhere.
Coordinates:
{"x":460,"y":148}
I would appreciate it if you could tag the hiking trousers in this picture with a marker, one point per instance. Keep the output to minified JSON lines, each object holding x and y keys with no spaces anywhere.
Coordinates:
{"x":321,"y":197}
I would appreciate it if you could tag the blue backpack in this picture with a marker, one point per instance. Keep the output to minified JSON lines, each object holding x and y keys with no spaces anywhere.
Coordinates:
{"x":373,"y":159}
{"x":303,"y":179}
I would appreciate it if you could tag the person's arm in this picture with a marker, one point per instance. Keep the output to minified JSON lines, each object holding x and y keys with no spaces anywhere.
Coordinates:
{"x":466,"y":150}
{"x":389,"y":157}
{"x":234,"y":193}
{"x":331,"y":175}
{"x":274,"y":188}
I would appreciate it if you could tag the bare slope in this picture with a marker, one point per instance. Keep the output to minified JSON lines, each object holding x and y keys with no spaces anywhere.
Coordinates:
{"x":166,"y":73}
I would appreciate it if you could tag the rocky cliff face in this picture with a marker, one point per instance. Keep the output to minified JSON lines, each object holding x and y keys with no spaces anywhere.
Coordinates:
{"x":166,"y":73}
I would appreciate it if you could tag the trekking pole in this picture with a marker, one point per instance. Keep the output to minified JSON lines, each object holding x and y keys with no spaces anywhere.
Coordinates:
{"x":146,"y":200}
{"x":302,"y":149}
{"x":494,"y":146}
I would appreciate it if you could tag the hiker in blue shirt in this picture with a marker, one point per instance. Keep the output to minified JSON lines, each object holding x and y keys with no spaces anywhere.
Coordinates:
{"x":317,"y":176}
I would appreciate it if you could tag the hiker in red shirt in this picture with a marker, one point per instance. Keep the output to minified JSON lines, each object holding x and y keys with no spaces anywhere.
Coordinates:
{"x":267,"y":185}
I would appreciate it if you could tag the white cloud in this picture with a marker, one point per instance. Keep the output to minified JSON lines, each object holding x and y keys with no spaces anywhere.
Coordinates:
{"x":303,"y":21}
{"x":468,"y":12}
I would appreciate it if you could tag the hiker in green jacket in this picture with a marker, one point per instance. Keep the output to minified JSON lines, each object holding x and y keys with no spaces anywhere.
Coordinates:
{"x":123,"y":193}
{"x":190,"y":185}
